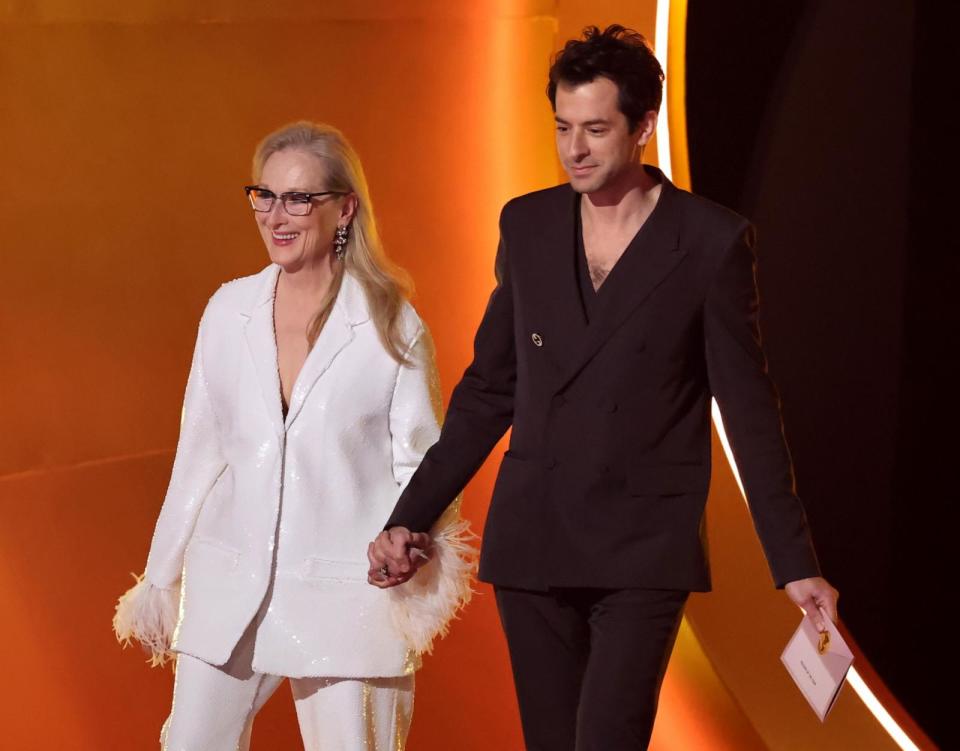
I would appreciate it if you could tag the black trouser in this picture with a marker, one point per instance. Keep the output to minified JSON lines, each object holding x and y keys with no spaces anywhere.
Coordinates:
{"x":588,"y":663}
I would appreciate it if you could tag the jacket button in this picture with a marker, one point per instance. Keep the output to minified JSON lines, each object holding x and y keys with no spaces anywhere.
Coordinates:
{"x":537,"y":339}
{"x":611,"y":406}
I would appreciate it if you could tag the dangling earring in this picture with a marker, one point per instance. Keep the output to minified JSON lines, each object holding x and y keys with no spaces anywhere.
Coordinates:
{"x":340,"y":240}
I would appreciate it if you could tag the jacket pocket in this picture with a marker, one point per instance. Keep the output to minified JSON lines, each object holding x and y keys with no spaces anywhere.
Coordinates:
{"x":328,"y":569}
{"x":668,"y":479}
{"x":209,"y":560}
{"x":513,"y":474}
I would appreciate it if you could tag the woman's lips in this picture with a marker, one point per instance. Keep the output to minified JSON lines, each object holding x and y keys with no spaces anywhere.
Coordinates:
{"x":284,"y":238}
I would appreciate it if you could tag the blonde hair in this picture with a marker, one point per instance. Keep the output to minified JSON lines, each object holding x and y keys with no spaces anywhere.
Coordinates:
{"x":386,"y":285}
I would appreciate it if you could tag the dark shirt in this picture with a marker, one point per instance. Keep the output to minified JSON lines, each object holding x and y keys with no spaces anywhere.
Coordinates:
{"x":589,"y":297}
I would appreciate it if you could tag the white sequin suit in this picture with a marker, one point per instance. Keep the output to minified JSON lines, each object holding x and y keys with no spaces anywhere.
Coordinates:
{"x":266,"y":520}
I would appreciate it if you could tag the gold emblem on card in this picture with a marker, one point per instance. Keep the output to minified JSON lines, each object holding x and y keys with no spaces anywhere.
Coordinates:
{"x":824,"y":643}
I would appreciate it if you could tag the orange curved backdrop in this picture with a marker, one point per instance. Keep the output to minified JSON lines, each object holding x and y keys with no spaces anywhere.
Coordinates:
{"x":126,"y":131}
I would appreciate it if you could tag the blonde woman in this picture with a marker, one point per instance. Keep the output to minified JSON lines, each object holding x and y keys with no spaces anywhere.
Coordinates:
{"x":310,"y":402}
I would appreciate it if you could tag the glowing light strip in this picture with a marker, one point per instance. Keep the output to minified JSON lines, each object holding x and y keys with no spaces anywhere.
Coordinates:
{"x":883,"y":717}
{"x":661,"y":40}
{"x":853,"y":677}
{"x":728,"y":452}
{"x":661,"y":46}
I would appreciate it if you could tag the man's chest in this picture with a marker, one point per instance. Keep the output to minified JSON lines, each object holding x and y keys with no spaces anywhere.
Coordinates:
{"x":603,"y":245}
{"x":604,"y":250}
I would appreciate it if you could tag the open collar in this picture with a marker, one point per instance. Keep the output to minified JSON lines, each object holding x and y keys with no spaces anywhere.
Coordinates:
{"x":349,"y":310}
{"x":644,"y":265}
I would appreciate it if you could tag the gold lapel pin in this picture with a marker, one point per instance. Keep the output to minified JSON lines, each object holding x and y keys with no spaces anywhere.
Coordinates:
{"x":537,"y":339}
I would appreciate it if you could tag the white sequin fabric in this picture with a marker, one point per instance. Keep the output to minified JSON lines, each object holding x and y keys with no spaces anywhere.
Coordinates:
{"x":270,"y":516}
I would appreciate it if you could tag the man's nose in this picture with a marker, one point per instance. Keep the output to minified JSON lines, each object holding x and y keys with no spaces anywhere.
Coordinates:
{"x":577,"y":148}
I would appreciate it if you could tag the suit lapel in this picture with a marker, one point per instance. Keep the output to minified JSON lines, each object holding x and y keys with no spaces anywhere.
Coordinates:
{"x":557,"y":288}
{"x":348,"y":311}
{"x":262,"y":343}
{"x":650,"y":259}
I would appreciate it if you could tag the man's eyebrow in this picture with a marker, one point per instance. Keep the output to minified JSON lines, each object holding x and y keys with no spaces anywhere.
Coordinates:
{"x":588,"y":123}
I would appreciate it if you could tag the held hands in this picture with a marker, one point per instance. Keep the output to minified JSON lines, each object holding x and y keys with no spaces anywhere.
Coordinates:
{"x":395,"y":555}
{"x":813,"y":595}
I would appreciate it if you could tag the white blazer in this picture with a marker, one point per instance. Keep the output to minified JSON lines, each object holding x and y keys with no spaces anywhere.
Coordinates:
{"x":261,"y":509}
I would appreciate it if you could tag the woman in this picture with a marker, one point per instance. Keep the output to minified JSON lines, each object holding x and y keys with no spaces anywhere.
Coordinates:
{"x":310,"y":401}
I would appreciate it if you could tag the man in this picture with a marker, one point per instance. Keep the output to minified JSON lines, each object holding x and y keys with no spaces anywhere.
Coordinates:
{"x":622,"y":305}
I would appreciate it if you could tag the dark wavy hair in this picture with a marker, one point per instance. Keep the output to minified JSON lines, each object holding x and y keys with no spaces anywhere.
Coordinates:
{"x":617,"y":53}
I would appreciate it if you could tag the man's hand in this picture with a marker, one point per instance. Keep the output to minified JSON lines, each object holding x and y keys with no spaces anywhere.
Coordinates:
{"x":812,"y":595}
{"x":395,"y":555}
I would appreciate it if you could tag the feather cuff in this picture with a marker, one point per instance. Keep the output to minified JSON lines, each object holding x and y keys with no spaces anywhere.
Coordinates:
{"x":148,"y":614}
{"x":423,"y":607}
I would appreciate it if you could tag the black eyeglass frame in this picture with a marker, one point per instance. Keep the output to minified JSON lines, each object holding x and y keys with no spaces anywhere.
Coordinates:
{"x":284,"y":197}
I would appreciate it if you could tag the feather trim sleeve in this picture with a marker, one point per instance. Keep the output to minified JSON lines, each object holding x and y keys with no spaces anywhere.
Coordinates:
{"x":148,"y":614}
{"x":423,"y":607}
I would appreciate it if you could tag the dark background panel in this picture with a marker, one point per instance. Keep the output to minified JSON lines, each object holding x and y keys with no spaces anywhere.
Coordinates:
{"x":824,"y":124}
{"x":924,"y":548}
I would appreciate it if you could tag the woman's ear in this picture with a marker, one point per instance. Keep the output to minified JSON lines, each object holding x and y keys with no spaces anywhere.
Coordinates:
{"x":349,"y":208}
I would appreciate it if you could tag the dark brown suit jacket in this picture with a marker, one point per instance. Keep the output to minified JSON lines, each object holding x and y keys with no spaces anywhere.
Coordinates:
{"x":606,"y":477}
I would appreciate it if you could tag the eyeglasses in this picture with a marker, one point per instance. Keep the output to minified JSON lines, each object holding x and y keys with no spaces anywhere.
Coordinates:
{"x":294,"y":203}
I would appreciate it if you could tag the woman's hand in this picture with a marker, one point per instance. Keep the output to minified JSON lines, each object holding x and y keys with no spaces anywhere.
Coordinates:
{"x":395,"y":556}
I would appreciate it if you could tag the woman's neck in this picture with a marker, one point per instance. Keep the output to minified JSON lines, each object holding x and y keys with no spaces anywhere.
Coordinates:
{"x":307,"y":283}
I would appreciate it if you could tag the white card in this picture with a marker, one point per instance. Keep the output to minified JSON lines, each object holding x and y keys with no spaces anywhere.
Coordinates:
{"x":818,"y":664}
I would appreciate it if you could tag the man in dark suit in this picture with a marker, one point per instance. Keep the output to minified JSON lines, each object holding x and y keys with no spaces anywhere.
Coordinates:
{"x":622,"y":305}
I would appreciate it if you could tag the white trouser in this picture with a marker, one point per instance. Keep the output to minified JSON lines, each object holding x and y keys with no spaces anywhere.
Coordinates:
{"x":214,"y":707}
